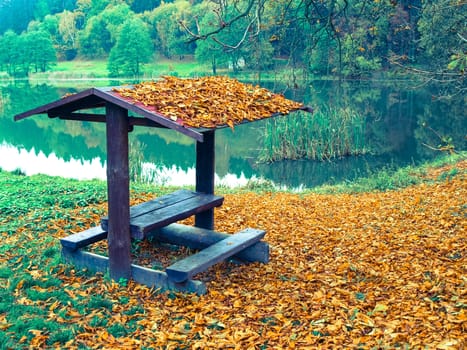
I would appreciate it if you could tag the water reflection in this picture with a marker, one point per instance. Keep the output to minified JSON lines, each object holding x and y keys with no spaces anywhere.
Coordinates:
{"x":176,"y":176}
{"x":308,"y":174}
{"x":400,"y":124}
{"x":31,"y":162}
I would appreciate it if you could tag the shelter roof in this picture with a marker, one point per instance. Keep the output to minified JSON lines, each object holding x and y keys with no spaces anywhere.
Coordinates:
{"x":189,"y":106}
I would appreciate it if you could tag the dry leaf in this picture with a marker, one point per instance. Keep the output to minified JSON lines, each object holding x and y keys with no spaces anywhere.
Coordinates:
{"x":208,"y":102}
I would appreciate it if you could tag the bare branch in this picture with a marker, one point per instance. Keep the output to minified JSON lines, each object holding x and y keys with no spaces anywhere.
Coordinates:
{"x":461,"y":37}
{"x":452,"y":76}
{"x":241,"y":41}
{"x":223,"y":24}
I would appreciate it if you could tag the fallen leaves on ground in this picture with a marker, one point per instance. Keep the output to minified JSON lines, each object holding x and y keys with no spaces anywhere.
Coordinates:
{"x":208,"y":102}
{"x":370,"y":270}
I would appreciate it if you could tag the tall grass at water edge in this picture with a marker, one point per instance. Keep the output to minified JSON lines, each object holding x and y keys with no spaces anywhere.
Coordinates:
{"x":327,"y":133}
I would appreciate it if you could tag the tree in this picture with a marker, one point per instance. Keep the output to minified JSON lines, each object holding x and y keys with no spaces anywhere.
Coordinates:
{"x":15,"y":15}
{"x":41,"y":9}
{"x":10,"y":43}
{"x":443,"y":42}
{"x":209,"y":51}
{"x":101,"y":31}
{"x":94,"y":39}
{"x":133,"y":48}
{"x":41,"y":52}
{"x":353,"y":34}
{"x":93,"y":7}
{"x":320,"y":56}
{"x":69,"y":34}
{"x":443,"y":31}
{"x":289,"y":25}
{"x":30,"y":49}
{"x":169,"y":37}
{"x":114,"y":16}
{"x":139,"y":6}
{"x":57,"y":6}
{"x":260,"y":54}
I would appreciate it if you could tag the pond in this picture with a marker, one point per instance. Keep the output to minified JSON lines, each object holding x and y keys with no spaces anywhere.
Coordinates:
{"x":403,"y":125}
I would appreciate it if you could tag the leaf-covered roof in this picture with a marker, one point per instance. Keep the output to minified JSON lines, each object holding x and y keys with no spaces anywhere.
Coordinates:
{"x":209,"y":102}
{"x":188,"y":106}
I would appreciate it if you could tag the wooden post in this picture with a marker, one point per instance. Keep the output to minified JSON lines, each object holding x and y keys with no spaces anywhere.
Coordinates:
{"x":205,"y":168}
{"x":118,"y":190}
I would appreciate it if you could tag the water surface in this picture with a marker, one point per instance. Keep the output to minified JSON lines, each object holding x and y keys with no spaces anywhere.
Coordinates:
{"x":403,"y":125}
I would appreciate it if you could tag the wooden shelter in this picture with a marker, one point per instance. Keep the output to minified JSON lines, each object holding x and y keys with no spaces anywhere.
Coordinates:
{"x":156,"y":218}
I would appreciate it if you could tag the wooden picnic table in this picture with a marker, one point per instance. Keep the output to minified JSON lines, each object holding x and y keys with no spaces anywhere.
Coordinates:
{"x":156,"y":218}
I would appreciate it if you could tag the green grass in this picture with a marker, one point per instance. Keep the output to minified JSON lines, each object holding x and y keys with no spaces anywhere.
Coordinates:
{"x":97,"y":70}
{"x":181,"y":68}
{"x":34,"y":212}
{"x":393,"y":179}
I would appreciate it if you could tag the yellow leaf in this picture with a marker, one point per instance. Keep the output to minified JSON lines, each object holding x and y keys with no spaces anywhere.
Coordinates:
{"x":35,"y":332}
{"x":380,"y":308}
{"x":4,"y":326}
{"x":448,"y":344}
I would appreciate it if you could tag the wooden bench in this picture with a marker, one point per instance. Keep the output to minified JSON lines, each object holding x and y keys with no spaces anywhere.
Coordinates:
{"x":199,"y":238}
{"x":84,"y":238}
{"x":186,"y":268}
{"x":150,"y":215}
{"x":156,"y":219}
{"x":167,"y":209}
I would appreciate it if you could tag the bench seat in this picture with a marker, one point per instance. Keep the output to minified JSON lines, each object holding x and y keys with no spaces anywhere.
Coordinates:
{"x":84,"y":238}
{"x":186,"y":268}
{"x":167,"y":209}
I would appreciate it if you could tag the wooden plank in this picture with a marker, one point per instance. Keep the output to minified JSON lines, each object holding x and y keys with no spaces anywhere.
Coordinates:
{"x":173,"y":213}
{"x":82,"y":259}
{"x":89,"y":102}
{"x":167,"y":209}
{"x":118,"y":189}
{"x":84,"y":238}
{"x":161,"y":202}
{"x":100,"y":118}
{"x":155,"y":204}
{"x":205,"y":171}
{"x":159,"y":279}
{"x":151,"y":278}
{"x":184,"y":269}
{"x":81,"y":99}
{"x":199,"y":238}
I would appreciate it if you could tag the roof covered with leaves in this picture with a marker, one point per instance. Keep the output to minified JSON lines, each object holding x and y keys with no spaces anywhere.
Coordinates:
{"x":189,"y":106}
{"x":208,"y":102}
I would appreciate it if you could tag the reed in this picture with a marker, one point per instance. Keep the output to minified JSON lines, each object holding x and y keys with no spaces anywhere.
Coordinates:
{"x":142,"y":172}
{"x":327,"y":133}
{"x":136,"y":158}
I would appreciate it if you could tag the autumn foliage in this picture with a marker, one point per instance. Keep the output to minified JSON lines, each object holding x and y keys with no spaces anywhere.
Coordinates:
{"x":208,"y":102}
{"x":370,"y":271}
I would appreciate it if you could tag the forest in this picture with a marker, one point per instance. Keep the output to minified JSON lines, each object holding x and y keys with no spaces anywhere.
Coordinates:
{"x":340,"y":38}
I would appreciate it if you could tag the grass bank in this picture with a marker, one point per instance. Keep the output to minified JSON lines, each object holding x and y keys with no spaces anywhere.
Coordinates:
{"x":390,"y":179}
{"x":381,"y":269}
{"x":97,"y":70}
